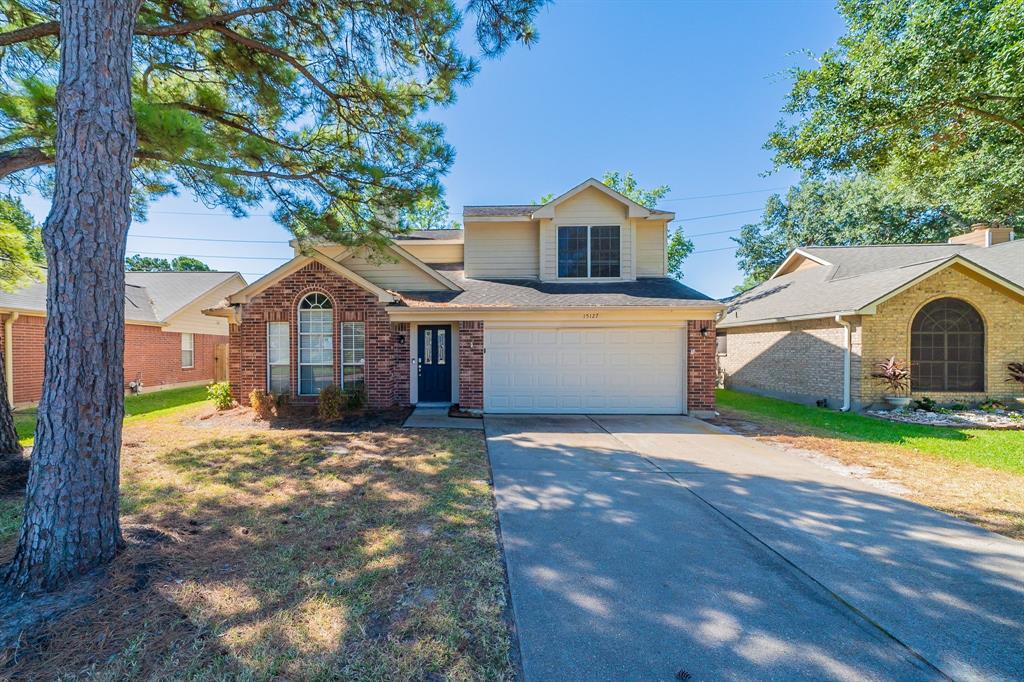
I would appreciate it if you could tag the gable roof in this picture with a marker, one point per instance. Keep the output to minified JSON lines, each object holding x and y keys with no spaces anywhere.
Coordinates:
{"x":537,"y":211}
{"x":855,"y":279}
{"x":149,"y":297}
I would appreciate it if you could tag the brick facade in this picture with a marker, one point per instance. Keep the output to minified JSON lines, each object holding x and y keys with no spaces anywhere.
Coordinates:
{"x":149,"y":353}
{"x":887,"y":333}
{"x":800,"y":361}
{"x":700,"y":367}
{"x":803,"y":361}
{"x":471,"y":365}
{"x":387,"y":345}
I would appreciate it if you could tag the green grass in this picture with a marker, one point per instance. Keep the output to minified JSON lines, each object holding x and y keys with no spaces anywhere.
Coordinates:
{"x":136,"y":407}
{"x":1003,"y":450}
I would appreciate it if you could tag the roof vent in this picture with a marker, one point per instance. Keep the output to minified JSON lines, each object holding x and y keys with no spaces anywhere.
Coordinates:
{"x":984,"y":234}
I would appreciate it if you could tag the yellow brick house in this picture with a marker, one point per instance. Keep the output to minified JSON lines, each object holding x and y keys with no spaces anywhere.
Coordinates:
{"x":815,"y":331}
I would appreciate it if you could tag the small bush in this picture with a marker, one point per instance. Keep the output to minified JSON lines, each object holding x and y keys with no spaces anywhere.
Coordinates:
{"x":329,"y":402}
{"x":356,"y":399}
{"x":220,"y":394}
{"x":926,"y":404}
{"x":262,"y":402}
{"x":281,"y":404}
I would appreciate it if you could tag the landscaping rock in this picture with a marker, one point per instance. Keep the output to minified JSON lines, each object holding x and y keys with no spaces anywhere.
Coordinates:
{"x":995,"y":419}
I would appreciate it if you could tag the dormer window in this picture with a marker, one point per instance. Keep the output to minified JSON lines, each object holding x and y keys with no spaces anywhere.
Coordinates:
{"x":589,"y":251}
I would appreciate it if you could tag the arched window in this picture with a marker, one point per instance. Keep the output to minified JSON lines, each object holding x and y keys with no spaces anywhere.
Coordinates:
{"x":316,"y":343}
{"x":947,"y":348}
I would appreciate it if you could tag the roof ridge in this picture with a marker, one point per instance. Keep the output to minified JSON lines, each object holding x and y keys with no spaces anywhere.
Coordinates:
{"x":879,"y":246}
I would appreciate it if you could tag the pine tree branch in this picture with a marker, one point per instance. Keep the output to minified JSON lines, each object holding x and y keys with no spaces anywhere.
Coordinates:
{"x":14,"y":160}
{"x":52,"y":28}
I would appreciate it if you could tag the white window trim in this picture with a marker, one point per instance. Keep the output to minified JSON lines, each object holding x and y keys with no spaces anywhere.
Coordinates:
{"x":588,"y":278}
{"x":361,"y":363}
{"x":191,"y":350}
{"x":298,"y":349}
{"x":287,"y":353}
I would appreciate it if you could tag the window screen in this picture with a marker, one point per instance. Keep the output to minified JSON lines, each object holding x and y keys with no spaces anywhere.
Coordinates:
{"x":947,"y":348}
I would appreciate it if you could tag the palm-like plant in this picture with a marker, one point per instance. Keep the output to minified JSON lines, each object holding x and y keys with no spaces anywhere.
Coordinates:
{"x":894,"y":374}
{"x":1016,"y":372}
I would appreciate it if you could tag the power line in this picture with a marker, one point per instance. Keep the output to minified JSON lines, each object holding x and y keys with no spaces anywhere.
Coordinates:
{"x":717,"y":215}
{"x":724,"y":248}
{"x":206,"y":239}
{"x":728,"y":194}
{"x":210,"y":255}
{"x":705,"y":234}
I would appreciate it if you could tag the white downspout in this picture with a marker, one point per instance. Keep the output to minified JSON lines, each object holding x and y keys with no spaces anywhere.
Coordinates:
{"x":847,"y":362}
{"x":9,"y":356}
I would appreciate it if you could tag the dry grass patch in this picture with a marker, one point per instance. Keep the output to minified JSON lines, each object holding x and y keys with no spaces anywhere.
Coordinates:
{"x":291,"y":554}
{"x":990,"y":498}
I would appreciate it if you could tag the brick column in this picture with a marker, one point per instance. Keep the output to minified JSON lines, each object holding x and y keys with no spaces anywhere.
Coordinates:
{"x":700,"y":368}
{"x":402,"y":346}
{"x":471,"y":365}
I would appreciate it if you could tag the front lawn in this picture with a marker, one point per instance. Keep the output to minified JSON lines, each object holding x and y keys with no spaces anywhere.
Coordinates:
{"x":986,"y":447}
{"x":975,"y":474}
{"x":135,"y":406}
{"x":362,"y":553}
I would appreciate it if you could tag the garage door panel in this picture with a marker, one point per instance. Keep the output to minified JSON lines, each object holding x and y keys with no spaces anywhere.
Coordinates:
{"x":593,"y":370}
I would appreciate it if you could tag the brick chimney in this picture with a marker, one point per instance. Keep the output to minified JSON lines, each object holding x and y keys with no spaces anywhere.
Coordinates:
{"x":984,"y":234}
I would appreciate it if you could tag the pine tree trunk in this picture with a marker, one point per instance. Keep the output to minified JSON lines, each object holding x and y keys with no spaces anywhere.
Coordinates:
{"x":71,"y":509}
{"x":9,"y":444}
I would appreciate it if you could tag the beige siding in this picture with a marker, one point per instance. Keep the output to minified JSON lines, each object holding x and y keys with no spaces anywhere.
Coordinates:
{"x":589,"y":207}
{"x":650,"y":249}
{"x":435,"y":253}
{"x":191,"y":318}
{"x":501,"y":249}
{"x":799,"y":361}
{"x":887,"y":333}
{"x":799,"y":263}
{"x":390,"y":272}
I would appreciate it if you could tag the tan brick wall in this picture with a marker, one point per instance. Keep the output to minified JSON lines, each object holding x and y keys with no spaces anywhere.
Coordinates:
{"x":887,"y":332}
{"x":149,"y":353}
{"x":700,"y":366}
{"x":800,"y":361}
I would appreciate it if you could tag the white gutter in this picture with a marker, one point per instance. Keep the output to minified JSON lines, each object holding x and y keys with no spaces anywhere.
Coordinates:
{"x":9,"y":356}
{"x":847,"y":361}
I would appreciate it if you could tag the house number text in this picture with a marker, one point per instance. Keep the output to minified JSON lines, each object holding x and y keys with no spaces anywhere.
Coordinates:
{"x":589,"y":316}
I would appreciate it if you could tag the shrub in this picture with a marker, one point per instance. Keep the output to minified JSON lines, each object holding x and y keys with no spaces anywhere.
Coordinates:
{"x":356,"y":399}
{"x":894,"y":374}
{"x":262,"y":402}
{"x":281,"y":404}
{"x":220,"y":394}
{"x":926,"y":404}
{"x":329,"y":402}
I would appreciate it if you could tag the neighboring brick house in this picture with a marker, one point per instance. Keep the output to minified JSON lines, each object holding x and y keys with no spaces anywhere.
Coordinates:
{"x":954,"y":312}
{"x":559,"y":308}
{"x":168,"y":341}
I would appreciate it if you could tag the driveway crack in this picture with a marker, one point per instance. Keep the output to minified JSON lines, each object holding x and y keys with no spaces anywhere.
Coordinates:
{"x":838,"y":598}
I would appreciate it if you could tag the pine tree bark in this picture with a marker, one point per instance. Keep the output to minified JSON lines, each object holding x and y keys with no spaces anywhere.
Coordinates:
{"x":9,"y":444}
{"x":71,"y":525}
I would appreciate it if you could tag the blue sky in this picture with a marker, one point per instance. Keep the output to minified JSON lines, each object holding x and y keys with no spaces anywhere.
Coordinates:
{"x":681,"y":93}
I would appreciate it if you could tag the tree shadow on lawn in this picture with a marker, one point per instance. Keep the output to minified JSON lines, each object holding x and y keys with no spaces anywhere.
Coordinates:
{"x":295,"y":555}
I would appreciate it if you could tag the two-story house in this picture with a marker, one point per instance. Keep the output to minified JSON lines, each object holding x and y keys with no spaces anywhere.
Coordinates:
{"x":564,"y":307}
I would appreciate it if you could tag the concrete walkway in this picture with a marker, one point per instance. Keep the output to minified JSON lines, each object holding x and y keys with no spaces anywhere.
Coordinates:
{"x":437,"y":418}
{"x":640,"y":547}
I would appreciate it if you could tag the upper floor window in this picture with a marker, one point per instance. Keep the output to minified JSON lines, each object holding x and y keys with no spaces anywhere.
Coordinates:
{"x":589,"y":251}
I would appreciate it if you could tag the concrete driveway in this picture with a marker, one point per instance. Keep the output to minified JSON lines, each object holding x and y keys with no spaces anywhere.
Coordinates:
{"x":652,"y":548}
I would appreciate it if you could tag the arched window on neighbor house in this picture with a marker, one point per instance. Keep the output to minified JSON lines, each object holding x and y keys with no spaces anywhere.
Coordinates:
{"x":947,"y":348}
{"x":316,"y":343}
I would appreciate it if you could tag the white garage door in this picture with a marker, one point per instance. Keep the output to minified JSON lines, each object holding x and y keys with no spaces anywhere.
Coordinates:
{"x":563,"y":371}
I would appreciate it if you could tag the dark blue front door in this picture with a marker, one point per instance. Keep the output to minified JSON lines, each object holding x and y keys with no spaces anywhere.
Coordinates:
{"x":435,"y":364}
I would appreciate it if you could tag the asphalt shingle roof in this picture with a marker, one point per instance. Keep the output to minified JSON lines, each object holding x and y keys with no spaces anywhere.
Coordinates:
{"x":859,"y":275}
{"x":509,"y":293}
{"x":420,"y":235}
{"x":515,"y":210}
{"x":148,"y":296}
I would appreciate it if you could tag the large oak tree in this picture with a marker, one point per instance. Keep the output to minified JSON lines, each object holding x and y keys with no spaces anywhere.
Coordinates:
{"x":925,"y":95}
{"x":315,"y":108}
